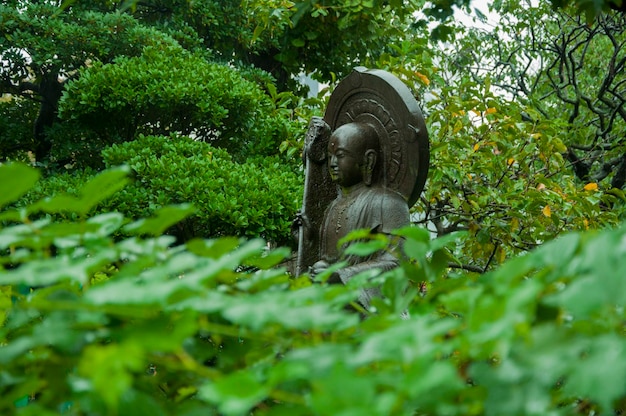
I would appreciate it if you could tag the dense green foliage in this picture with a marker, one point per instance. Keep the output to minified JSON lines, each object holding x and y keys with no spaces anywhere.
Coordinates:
{"x":214,"y":183}
{"x":41,"y":49}
{"x":170,"y":90}
{"x":286,"y":37}
{"x":102,"y":314}
{"x":104,"y":76}
{"x":97,"y":45}
{"x":256,"y":198}
{"x":15,"y":125}
{"x":141,"y":326}
{"x":519,"y":152}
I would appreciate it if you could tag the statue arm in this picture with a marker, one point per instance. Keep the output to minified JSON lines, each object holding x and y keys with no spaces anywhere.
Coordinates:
{"x":383,"y":261}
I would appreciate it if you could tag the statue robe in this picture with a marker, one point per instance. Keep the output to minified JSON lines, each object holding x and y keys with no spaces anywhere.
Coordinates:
{"x":376,"y":209}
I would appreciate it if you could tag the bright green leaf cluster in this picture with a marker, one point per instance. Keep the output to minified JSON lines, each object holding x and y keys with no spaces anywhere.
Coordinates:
{"x":100,"y":325}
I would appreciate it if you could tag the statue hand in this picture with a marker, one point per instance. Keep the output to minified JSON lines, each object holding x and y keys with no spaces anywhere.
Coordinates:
{"x":316,"y":140}
{"x":321,"y":266}
{"x":301,"y":222}
{"x":318,"y":268}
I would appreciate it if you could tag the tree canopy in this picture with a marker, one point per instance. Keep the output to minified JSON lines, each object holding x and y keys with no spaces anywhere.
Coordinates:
{"x":525,"y":141}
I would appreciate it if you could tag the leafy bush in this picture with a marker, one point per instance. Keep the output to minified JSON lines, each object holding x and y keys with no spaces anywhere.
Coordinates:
{"x":140,"y":326}
{"x":254,"y":199}
{"x":168,"y":89}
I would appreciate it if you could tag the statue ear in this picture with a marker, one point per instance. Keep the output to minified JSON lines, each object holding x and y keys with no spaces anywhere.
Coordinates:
{"x":368,"y":167}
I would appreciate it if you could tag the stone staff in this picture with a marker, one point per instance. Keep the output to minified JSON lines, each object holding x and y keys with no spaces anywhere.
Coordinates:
{"x":318,"y":192}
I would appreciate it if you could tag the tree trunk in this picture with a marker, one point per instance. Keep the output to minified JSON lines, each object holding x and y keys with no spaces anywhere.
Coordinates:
{"x":50,"y":91}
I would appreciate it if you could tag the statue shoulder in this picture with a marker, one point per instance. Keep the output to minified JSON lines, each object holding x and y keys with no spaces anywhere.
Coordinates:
{"x":388,"y":198}
{"x":386,"y":209}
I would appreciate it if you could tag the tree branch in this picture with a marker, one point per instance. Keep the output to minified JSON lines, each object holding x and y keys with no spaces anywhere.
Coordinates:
{"x":468,"y":267}
{"x":619,"y":179}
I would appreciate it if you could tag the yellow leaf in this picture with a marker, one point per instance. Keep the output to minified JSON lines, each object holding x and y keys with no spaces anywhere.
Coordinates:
{"x":422,"y":78}
{"x":586,"y":223}
{"x":510,"y":161}
{"x":558,"y":145}
{"x":547,"y":211}
{"x":476,"y":146}
{"x":535,"y":135}
{"x":591,"y":186}
{"x":501,"y":254}
{"x":491,"y":110}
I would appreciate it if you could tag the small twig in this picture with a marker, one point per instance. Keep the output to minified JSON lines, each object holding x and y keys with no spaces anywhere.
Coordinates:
{"x":493,"y":253}
{"x":467,"y":267}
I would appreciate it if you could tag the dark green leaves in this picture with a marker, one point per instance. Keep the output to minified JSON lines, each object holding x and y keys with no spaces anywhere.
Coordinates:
{"x":257,"y":198}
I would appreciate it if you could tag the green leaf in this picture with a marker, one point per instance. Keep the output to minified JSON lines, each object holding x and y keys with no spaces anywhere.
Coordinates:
{"x":447,"y":240}
{"x":59,"y":203}
{"x":214,"y":248}
{"x":270,"y":258}
{"x":102,"y":186}
{"x":161,"y":334}
{"x":106,"y":223}
{"x":415,"y":249}
{"x":15,"y":180}
{"x":235,"y":394}
{"x":414,"y":233}
{"x":110,"y":369}
{"x":137,"y":403}
{"x":600,"y":374}
{"x":162,"y":219}
{"x":365,"y":248}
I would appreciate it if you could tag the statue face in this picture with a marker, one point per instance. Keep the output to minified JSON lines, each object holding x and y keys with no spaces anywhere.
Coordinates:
{"x":346,"y":156}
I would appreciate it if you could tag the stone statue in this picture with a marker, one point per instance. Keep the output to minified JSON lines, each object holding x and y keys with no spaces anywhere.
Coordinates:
{"x":366,"y":174}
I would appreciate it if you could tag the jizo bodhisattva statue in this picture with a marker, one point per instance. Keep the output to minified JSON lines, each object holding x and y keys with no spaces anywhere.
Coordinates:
{"x":366,"y":164}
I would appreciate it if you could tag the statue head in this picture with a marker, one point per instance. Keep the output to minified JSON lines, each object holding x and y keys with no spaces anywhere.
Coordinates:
{"x":352,"y":154}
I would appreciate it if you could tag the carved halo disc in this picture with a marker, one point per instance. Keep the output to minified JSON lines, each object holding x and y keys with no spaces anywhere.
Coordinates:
{"x":380,"y":99}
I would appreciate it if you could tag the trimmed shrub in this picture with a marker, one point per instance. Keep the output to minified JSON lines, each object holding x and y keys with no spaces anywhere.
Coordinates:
{"x":252,"y":199}
{"x":169,"y":90}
